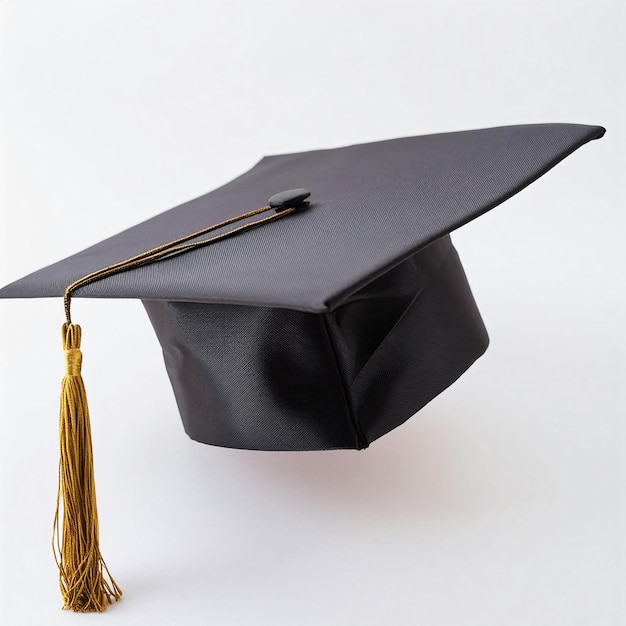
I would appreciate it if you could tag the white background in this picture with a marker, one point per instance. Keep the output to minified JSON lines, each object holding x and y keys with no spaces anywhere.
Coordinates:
{"x":503,"y":501}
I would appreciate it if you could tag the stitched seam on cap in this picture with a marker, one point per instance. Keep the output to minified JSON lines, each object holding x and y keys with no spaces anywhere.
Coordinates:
{"x":361,"y":441}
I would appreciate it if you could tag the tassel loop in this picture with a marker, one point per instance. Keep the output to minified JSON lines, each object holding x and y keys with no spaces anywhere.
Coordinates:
{"x":71,"y":335}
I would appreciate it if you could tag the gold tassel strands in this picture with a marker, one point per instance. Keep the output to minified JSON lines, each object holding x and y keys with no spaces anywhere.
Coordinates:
{"x":85,"y":581}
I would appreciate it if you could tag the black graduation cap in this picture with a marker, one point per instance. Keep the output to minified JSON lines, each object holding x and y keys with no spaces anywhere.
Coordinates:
{"x":316,"y":321}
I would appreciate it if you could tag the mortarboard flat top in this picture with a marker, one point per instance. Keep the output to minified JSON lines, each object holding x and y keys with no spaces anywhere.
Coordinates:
{"x":371,"y":207}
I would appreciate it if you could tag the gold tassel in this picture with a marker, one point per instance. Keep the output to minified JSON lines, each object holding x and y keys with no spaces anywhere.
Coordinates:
{"x":85,"y":581}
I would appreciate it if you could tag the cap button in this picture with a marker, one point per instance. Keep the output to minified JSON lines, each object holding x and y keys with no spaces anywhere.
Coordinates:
{"x":288,"y":199}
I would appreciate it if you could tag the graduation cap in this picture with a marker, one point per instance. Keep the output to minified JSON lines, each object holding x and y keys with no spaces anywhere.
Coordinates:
{"x":319,"y":319}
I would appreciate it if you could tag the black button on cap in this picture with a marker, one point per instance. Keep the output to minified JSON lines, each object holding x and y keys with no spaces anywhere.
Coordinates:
{"x":289,"y":198}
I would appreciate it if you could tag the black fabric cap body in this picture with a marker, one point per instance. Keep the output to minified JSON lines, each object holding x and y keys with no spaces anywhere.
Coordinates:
{"x":277,"y":379}
{"x":335,"y":324}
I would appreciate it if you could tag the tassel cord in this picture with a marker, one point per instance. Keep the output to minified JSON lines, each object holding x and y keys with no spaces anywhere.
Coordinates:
{"x":171,"y":249}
